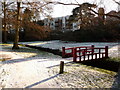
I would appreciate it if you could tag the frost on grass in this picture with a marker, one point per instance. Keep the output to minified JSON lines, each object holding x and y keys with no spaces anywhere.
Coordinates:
{"x":76,"y":75}
{"x":25,"y":51}
{"x":56,"y":44}
{"x":81,"y":76}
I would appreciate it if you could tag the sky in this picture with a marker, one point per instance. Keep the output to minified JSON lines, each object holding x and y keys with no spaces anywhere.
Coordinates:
{"x":63,"y":10}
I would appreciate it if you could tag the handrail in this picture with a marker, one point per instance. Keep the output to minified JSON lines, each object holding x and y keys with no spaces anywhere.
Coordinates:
{"x":83,"y":51}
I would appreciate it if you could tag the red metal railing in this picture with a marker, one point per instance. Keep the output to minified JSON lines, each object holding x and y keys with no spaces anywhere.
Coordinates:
{"x":70,"y":50}
{"x":85,"y":53}
{"x":65,"y":54}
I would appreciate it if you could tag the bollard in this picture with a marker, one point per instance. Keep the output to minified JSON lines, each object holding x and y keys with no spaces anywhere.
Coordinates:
{"x":61,"y":67}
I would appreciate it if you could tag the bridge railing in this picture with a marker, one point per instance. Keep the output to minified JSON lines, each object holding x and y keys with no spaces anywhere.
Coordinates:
{"x":68,"y":52}
{"x":85,"y":53}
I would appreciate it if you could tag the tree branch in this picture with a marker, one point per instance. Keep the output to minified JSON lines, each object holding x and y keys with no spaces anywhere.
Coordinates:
{"x":106,"y":14}
{"x":116,"y":2}
{"x":64,"y":3}
{"x":9,"y":3}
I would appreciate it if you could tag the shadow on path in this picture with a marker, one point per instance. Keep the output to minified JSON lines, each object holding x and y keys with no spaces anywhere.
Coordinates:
{"x":54,"y":51}
{"x":18,"y":60}
{"x":59,"y":64}
{"x":116,"y":83}
{"x":30,"y":86}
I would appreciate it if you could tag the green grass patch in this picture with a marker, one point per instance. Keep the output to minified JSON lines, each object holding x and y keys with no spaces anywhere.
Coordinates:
{"x":2,"y":44}
{"x":99,"y":69}
{"x":4,"y":59}
{"x":75,"y":66}
{"x":22,"y":45}
{"x":117,"y":59}
{"x":102,"y":70}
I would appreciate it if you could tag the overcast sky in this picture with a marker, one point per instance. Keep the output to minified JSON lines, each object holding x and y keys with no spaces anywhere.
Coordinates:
{"x":62,"y":10}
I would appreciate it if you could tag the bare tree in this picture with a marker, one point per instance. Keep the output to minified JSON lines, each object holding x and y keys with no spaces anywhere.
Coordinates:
{"x":4,"y":13}
{"x":35,"y":6}
{"x":13,"y":16}
{"x":15,"y":45}
{"x":5,"y":33}
{"x":77,"y":4}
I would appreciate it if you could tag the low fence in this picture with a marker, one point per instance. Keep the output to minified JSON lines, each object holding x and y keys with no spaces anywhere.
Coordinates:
{"x":85,"y":53}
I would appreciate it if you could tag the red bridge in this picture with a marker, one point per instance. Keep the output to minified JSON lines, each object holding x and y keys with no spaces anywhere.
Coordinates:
{"x":84,"y":53}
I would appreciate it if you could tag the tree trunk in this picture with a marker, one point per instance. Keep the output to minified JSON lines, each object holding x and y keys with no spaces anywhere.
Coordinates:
{"x":5,"y":27}
{"x":15,"y":44}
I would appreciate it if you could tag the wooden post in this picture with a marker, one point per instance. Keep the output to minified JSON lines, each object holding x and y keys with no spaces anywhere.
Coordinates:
{"x":61,"y":67}
{"x":106,"y":51}
{"x":92,"y":51}
{"x":74,"y":54}
{"x":63,"y":52}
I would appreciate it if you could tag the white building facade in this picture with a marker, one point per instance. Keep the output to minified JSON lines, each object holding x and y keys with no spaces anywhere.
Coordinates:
{"x":61,"y":24}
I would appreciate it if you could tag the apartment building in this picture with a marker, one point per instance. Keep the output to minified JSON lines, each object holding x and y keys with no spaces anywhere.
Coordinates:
{"x":61,"y":24}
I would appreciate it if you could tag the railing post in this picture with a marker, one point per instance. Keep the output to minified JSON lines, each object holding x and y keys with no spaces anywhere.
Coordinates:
{"x":92,"y":46}
{"x":96,"y":56}
{"x":74,"y":54}
{"x":99,"y":52}
{"x":88,"y":57}
{"x":106,"y":51}
{"x":92,"y":51}
{"x":63,"y":52}
{"x":84,"y":51}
